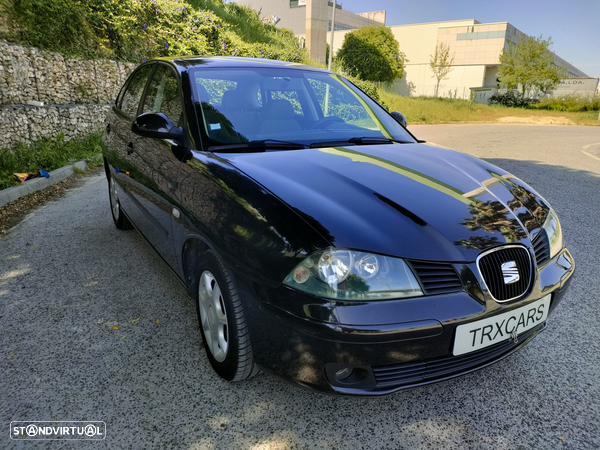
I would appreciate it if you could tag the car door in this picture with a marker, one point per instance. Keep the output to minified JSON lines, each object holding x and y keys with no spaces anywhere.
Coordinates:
{"x":159,"y":165}
{"x":126,"y":166}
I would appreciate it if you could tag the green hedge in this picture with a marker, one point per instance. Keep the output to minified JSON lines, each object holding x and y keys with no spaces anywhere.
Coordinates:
{"x":574,"y":103}
{"x":134,"y":30}
{"x":48,"y":154}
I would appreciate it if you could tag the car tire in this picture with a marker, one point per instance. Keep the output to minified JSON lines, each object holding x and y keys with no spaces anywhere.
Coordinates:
{"x":119,"y":218}
{"x":222,"y":322}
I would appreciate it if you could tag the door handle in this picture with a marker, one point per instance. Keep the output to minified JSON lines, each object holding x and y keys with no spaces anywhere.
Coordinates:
{"x":130,"y":148}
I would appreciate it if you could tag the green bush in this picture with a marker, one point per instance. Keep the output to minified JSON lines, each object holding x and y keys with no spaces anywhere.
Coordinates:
{"x":48,"y":154}
{"x":510,"y":99}
{"x":573,"y":103}
{"x":368,"y":87}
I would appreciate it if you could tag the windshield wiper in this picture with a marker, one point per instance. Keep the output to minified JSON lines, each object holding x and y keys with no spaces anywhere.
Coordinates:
{"x":359,"y":141}
{"x":258,"y":145}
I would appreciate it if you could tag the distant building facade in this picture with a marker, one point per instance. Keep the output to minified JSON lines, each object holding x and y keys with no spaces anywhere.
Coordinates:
{"x":476,"y":49}
{"x":475,"y":46}
{"x":310,"y":20}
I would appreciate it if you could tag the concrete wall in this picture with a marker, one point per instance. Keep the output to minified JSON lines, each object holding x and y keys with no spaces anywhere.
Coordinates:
{"x":44,"y":93}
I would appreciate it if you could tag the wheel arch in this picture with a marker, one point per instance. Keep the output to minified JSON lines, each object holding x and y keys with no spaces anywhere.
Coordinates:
{"x":190,"y":258}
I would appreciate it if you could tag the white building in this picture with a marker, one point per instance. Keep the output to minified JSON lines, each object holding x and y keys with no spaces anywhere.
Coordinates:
{"x":475,"y":47}
{"x":310,"y":20}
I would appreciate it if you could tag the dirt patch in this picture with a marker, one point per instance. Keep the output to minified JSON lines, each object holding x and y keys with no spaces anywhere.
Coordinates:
{"x":12,"y":213}
{"x":537,"y":120}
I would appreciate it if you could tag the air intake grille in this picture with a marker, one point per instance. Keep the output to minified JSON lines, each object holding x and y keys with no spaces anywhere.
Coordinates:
{"x":436,"y":278}
{"x":490,"y":265}
{"x":541,"y":248}
{"x":396,"y":375}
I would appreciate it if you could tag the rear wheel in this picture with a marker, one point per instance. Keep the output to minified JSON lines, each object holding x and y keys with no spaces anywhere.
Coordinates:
{"x":120,"y":220}
{"x":222,"y":321}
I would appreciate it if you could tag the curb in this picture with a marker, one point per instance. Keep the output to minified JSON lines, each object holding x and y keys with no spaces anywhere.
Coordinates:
{"x":15,"y":192}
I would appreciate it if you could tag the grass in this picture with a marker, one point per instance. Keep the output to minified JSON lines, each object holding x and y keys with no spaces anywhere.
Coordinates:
{"x":575,"y":103}
{"x":48,"y":154}
{"x":430,"y":110}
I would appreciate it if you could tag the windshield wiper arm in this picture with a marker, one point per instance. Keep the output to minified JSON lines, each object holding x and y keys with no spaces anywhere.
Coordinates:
{"x":375,"y":140}
{"x":258,"y":145}
{"x":359,"y":141}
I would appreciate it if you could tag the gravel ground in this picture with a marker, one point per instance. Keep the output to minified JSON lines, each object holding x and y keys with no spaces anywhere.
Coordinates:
{"x":95,"y":327}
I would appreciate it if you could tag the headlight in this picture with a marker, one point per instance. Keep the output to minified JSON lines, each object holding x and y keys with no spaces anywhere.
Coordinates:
{"x":351,"y":275}
{"x":554,"y":232}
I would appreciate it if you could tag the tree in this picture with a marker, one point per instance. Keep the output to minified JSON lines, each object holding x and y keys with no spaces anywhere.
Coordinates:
{"x":372,"y":54}
{"x":530,"y":65}
{"x":441,"y":64}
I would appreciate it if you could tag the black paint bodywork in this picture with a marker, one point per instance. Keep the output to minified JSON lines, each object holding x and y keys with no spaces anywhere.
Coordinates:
{"x":264,"y":212}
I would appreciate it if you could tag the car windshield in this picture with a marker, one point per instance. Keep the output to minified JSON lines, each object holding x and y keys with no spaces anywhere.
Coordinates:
{"x":258,"y":107}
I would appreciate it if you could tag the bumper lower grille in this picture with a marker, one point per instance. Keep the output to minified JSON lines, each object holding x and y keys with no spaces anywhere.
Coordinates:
{"x":397,"y":375}
{"x":436,"y":278}
{"x":506,"y":272}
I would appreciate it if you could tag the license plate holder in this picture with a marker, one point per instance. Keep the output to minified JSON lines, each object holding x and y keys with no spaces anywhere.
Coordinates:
{"x":480,"y":334}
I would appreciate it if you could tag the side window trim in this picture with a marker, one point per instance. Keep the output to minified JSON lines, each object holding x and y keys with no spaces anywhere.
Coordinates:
{"x":143,"y":96}
{"x":119,"y":102}
{"x":150,"y":79}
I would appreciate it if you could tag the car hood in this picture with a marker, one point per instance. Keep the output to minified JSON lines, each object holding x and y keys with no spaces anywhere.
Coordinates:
{"x":408,"y":200}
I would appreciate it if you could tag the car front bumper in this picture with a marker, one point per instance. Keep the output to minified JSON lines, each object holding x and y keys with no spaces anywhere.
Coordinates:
{"x":375,"y":348}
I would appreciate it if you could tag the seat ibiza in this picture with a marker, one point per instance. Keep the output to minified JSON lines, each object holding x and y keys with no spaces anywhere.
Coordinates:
{"x":321,"y":240}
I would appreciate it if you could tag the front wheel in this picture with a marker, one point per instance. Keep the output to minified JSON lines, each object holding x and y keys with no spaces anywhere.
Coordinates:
{"x":119,"y":218}
{"x":222,"y":321}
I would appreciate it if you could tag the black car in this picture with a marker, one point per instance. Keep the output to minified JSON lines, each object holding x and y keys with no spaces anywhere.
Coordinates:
{"x":321,"y":241}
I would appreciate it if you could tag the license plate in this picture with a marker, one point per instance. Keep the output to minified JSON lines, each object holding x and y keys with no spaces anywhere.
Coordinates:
{"x":483,"y":333}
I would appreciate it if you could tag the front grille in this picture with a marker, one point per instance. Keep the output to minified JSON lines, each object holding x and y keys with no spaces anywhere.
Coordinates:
{"x":436,"y":278}
{"x":490,"y":266}
{"x":397,"y":375}
{"x":541,"y":248}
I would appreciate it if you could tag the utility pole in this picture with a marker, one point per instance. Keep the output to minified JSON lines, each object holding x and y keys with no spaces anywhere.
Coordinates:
{"x":331,"y":36}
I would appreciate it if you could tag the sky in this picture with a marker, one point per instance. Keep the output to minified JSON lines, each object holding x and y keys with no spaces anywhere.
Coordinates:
{"x":573,"y":25}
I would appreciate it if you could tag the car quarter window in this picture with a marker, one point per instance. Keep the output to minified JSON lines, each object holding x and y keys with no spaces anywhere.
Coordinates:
{"x":291,"y":96}
{"x":344,"y":104}
{"x":134,"y":90}
{"x":212,"y":90}
{"x":162,"y":95}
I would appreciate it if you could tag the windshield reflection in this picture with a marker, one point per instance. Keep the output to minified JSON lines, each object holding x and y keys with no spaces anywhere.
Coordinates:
{"x":287,"y":104}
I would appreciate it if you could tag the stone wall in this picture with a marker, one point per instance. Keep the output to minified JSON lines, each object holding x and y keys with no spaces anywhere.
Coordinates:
{"x":44,"y":93}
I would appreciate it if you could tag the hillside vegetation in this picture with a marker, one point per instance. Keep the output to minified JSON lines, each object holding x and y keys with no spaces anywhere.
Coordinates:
{"x":134,"y":30}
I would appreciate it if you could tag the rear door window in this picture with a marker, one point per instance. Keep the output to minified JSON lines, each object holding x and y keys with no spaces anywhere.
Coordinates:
{"x":133,"y":92}
{"x":162,"y":95}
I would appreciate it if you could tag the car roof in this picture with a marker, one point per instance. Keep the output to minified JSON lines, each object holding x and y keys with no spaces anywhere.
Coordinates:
{"x":187,"y":62}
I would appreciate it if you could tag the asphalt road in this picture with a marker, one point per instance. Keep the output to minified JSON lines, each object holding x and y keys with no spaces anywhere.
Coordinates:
{"x":68,"y":278}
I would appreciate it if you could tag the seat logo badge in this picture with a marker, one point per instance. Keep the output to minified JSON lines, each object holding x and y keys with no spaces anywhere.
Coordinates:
{"x":510,"y":272}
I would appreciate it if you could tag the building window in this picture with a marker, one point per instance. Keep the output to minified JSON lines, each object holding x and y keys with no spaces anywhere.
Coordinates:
{"x":481,"y":35}
{"x":339,"y":26}
{"x":297,"y":3}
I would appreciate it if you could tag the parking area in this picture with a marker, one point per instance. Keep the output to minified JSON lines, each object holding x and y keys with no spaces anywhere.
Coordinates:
{"x":95,"y":327}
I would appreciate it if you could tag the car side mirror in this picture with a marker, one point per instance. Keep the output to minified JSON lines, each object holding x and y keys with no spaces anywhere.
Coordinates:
{"x":156,"y":125}
{"x":400,"y":118}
